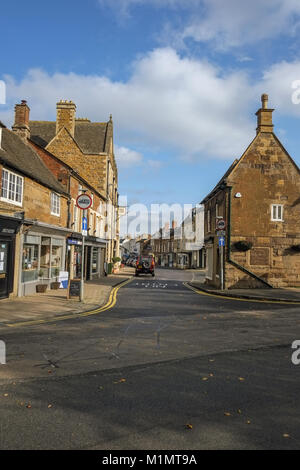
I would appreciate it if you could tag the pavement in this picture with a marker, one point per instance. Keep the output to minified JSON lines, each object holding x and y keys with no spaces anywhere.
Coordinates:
{"x":54,"y":303}
{"x":273,"y":295}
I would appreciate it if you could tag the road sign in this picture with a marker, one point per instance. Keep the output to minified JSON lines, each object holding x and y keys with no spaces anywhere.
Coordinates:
{"x":84,"y":201}
{"x":221,"y":233}
{"x":84,"y":226}
{"x":221,"y":241}
{"x":220,"y":224}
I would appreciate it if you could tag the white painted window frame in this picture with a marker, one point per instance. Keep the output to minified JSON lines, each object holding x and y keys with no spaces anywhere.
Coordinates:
{"x":17,"y":177}
{"x":276,"y":218}
{"x":53,"y":204}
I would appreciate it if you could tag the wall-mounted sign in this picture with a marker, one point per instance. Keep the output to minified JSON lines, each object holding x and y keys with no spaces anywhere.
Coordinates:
{"x":73,"y":241}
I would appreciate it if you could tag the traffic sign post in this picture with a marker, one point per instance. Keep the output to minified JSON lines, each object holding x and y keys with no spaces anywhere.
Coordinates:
{"x":84,"y":202}
{"x":84,"y":234}
{"x":221,"y":247}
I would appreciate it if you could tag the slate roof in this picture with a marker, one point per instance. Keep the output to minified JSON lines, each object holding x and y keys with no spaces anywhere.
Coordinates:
{"x":21,"y":157}
{"x":91,"y":137}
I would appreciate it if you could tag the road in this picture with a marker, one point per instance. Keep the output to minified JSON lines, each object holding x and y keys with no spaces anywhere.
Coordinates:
{"x":165,"y":368}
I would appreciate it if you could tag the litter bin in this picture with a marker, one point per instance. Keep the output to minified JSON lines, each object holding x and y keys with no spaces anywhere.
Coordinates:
{"x":109,"y":268}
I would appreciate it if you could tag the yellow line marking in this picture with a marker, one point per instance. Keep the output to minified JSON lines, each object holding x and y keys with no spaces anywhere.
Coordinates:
{"x":110,"y":304}
{"x":199,"y":292}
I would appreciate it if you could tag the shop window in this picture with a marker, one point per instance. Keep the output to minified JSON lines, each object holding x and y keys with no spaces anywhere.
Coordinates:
{"x":45,"y":256}
{"x":30,"y":263}
{"x":55,"y":204}
{"x":56,"y":259}
{"x":95,"y":258}
{"x":12,"y":187}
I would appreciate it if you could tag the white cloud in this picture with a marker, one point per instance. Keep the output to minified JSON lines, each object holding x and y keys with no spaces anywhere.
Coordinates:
{"x":235,"y":22}
{"x":226,"y":23}
{"x":126,"y":157}
{"x":185,"y":106}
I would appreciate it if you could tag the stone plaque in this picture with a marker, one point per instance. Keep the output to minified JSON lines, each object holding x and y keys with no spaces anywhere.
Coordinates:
{"x":259,"y":256}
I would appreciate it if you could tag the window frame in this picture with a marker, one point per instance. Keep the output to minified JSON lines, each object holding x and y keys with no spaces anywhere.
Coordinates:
{"x":276,"y":218}
{"x":12,"y":187}
{"x":53,"y":204}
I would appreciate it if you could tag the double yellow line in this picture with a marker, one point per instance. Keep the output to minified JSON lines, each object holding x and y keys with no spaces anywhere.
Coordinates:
{"x":240,"y":299}
{"x":110,"y":304}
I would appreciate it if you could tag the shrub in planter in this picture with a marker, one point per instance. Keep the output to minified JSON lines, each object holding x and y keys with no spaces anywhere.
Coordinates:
{"x":243,"y":245}
{"x":40,"y":288}
{"x":55,"y":284}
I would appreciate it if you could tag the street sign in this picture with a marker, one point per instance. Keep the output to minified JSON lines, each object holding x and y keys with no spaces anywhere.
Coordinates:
{"x":84,"y":226}
{"x":84,"y":201}
{"x":221,"y":233}
{"x":221,"y":241}
{"x":220,"y":224}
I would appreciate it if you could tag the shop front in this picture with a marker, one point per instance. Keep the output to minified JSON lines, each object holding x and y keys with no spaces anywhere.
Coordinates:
{"x":43,"y":258}
{"x":9,"y":228}
{"x":94,"y":256}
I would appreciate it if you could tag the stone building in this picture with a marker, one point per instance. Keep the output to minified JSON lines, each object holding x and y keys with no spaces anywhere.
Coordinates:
{"x":258,"y":197}
{"x":33,"y":217}
{"x":86,"y":147}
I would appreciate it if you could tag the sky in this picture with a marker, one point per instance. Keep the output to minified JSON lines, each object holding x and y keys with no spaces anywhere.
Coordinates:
{"x":181,"y":78}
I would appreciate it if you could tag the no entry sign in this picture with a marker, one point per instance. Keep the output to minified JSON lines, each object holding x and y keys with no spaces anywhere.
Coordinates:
{"x":83,"y":201}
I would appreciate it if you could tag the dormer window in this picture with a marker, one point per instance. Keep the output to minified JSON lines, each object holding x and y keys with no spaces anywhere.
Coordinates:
{"x":12,"y":188}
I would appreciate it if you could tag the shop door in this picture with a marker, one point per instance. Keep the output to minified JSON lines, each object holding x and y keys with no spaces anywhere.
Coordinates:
{"x":4,"y":256}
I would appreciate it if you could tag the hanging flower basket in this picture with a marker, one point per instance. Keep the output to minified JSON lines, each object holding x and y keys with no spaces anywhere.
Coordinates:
{"x":243,"y":245}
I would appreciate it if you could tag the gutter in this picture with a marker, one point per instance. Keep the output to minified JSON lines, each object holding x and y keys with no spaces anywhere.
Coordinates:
{"x":231,"y":261}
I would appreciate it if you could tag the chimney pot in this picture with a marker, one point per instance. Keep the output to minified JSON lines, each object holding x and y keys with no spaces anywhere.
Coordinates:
{"x":65,"y":116}
{"x":21,"y":125}
{"x":264,"y":116}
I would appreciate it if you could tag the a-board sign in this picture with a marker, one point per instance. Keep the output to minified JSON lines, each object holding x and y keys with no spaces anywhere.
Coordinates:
{"x":74,"y":288}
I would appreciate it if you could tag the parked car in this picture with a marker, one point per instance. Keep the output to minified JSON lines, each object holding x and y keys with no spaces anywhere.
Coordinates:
{"x":145,"y":265}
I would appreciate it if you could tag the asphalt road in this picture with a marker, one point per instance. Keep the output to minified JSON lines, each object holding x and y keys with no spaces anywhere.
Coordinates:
{"x":164,"y":369}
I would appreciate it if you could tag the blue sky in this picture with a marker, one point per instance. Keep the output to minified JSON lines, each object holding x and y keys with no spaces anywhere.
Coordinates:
{"x":182,"y":79}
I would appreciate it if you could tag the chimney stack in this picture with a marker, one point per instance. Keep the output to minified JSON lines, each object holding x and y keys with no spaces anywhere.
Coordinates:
{"x":21,"y":125}
{"x":65,"y":116}
{"x":264,"y":116}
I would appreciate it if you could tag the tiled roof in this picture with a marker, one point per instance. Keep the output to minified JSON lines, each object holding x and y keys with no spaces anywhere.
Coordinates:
{"x":91,"y":137}
{"x":21,"y":157}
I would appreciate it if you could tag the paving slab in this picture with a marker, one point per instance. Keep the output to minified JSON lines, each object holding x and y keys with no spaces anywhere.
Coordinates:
{"x":55,"y":302}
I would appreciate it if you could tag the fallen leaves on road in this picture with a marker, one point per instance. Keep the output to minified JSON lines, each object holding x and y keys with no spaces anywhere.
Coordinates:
{"x":188,"y":426}
{"x":120,"y":381}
